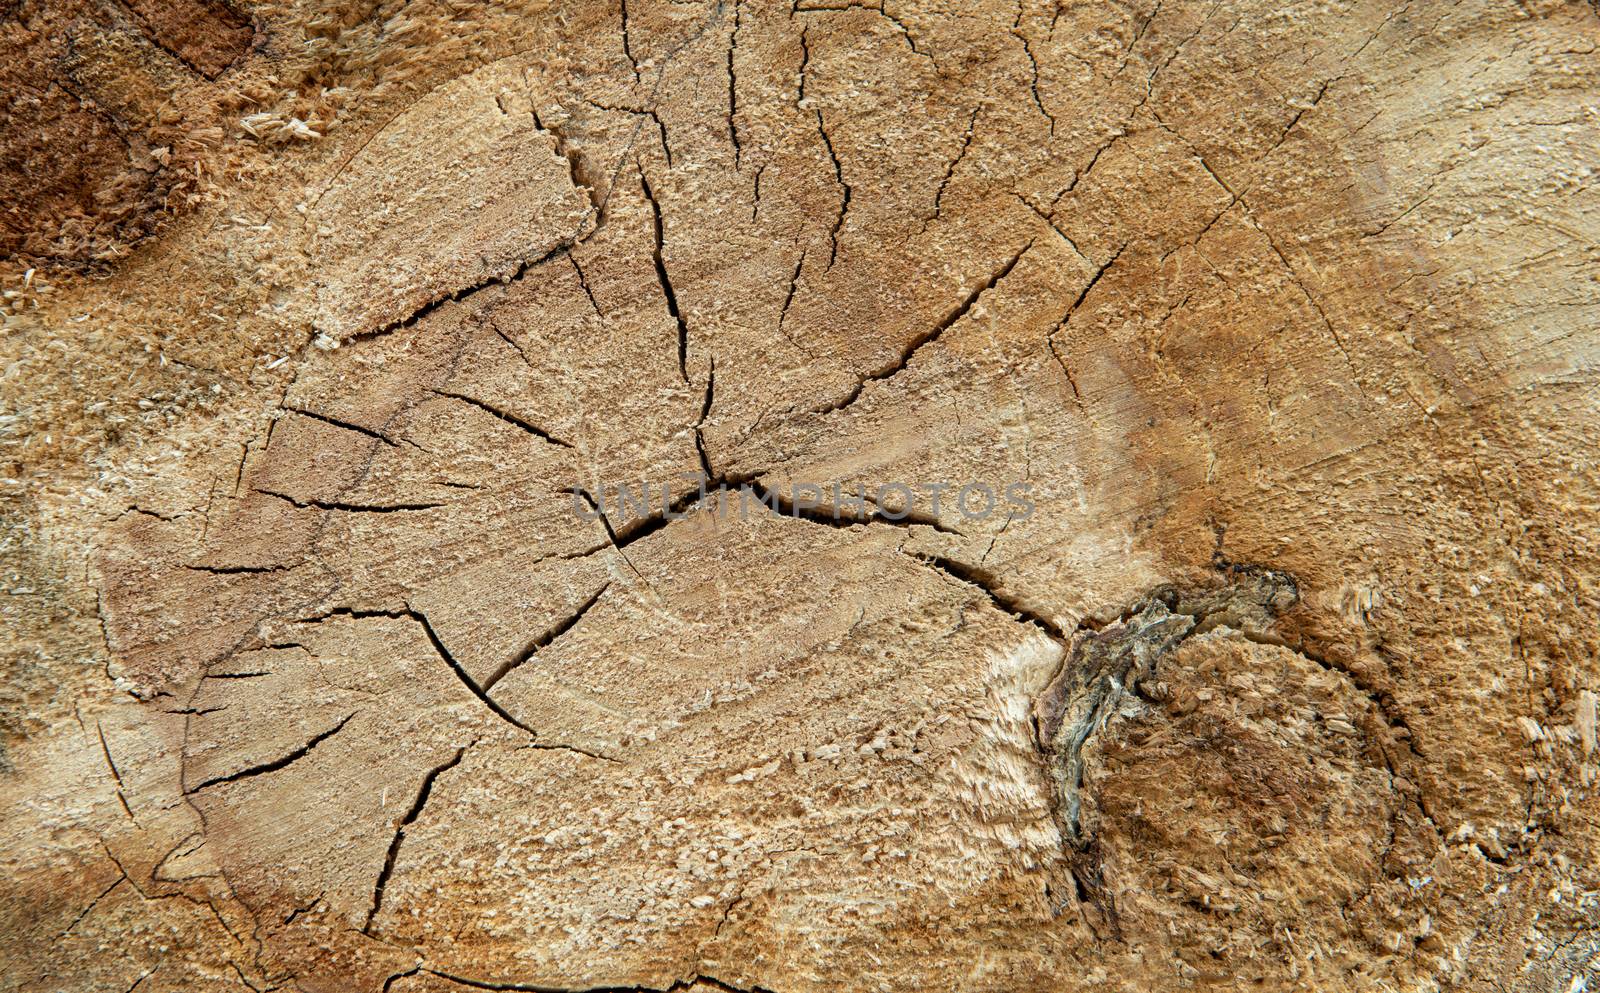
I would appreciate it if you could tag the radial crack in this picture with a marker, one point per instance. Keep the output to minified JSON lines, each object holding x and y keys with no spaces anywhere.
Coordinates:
{"x":664,"y":279}
{"x":699,"y":425}
{"x":788,"y":300}
{"x":930,"y":336}
{"x":844,"y":190}
{"x":677,"y":986}
{"x":122,"y":877}
{"x":985,"y":582}
{"x":423,"y":792}
{"x":733,"y":89}
{"x":238,"y":570}
{"x":881,"y":10}
{"x":461,"y":673}
{"x":1033,"y":85}
{"x":574,"y":161}
{"x":466,"y":291}
{"x":346,"y":425}
{"x":116,"y":776}
{"x":353,"y":508}
{"x":278,"y":763}
{"x":505,"y":415}
{"x":627,"y":42}
{"x":1050,"y":339}
{"x":950,"y":170}
{"x":544,"y":640}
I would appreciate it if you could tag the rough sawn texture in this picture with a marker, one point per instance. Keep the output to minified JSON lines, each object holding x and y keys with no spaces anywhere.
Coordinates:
{"x":324,"y":320}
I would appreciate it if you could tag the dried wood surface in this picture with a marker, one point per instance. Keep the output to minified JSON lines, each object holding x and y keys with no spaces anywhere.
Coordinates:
{"x":335,"y":663}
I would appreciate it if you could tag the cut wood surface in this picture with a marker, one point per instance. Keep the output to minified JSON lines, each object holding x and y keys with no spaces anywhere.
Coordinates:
{"x":342,"y":341}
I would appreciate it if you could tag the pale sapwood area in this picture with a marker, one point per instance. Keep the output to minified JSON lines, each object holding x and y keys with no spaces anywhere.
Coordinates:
{"x":334,"y":663}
